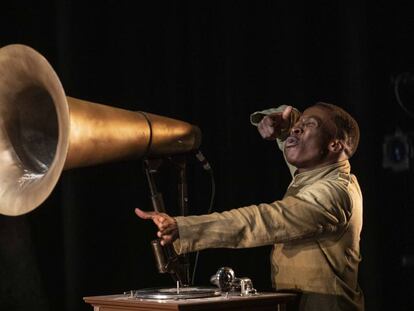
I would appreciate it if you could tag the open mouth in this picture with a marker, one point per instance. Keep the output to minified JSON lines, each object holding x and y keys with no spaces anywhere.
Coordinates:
{"x":291,"y":141}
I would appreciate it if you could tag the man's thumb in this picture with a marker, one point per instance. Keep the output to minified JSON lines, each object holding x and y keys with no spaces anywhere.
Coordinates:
{"x":286,"y":113}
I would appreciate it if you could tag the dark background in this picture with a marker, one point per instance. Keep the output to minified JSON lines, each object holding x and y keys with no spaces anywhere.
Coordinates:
{"x":210,"y":63}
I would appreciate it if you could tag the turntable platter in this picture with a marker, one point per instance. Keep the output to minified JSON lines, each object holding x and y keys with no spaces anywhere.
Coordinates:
{"x":175,"y":294}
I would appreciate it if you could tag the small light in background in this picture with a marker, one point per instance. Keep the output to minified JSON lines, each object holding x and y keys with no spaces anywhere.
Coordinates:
{"x":397,"y":151}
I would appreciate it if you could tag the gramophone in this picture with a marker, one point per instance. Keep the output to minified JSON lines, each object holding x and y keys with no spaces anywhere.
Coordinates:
{"x":43,"y":132}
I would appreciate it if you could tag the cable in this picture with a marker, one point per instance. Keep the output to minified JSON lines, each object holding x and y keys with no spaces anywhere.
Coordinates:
{"x":405,"y":77}
{"x":200,"y":157}
{"x":208,"y":168}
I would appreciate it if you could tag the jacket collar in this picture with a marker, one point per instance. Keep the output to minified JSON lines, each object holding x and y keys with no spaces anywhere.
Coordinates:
{"x":322,"y":172}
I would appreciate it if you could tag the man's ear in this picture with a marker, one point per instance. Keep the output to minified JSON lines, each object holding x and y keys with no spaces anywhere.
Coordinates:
{"x":336,"y":146}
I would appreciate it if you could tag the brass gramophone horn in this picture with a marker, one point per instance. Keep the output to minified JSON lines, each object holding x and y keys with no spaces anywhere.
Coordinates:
{"x":42,"y":131}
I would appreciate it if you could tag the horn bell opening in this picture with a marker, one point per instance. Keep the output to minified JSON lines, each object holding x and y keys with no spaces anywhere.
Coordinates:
{"x":34,"y":129}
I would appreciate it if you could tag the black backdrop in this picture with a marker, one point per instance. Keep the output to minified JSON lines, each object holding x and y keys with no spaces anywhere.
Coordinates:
{"x":210,"y":63}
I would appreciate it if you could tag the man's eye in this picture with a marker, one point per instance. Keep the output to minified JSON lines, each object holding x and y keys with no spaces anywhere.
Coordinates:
{"x":310,"y":124}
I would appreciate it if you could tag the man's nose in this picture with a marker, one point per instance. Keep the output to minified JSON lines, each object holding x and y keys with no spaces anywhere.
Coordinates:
{"x":296,"y":129}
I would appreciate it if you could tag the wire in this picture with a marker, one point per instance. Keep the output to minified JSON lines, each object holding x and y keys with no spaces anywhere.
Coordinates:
{"x":402,"y":76}
{"x":210,"y":208}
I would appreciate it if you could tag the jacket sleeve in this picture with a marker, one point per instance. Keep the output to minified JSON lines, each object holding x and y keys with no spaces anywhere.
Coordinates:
{"x":320,"y":210}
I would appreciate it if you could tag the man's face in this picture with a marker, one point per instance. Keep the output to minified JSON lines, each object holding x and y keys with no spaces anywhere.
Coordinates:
{"x":307,"y":146}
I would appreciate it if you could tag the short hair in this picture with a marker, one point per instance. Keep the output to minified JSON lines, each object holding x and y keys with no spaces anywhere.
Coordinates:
{"x":347,"y":129}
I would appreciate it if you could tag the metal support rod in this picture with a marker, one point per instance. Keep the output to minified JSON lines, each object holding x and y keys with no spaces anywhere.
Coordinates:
{"x":166,"y":258}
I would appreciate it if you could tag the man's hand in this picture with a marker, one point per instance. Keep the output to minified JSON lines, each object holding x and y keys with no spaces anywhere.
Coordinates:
{"x":167,"y":225}
{"x":272,"y":124}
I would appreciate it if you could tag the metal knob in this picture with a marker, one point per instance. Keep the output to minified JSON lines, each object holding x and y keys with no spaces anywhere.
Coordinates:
{"x":223,"y":279}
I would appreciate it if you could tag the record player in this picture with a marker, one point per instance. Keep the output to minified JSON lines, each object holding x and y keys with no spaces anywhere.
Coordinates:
{"x":224,"y":279}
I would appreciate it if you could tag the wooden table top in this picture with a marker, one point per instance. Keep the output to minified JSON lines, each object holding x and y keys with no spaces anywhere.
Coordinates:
{"x":112,"y":302}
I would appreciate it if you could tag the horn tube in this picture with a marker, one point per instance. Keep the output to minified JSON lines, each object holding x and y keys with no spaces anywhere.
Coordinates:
{"x":43,"y":131}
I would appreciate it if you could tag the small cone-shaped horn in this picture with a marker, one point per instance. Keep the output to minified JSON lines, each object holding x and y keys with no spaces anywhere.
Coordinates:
{"x":43,"y":132}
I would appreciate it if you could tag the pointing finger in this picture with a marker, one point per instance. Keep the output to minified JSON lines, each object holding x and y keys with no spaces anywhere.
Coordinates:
{"x":145,"y":215}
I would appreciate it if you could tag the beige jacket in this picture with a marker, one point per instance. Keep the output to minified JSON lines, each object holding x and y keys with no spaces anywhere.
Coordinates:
{"x":315,"y":230}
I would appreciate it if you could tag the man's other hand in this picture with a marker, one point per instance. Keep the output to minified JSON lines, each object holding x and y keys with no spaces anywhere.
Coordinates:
{"x":271,"y":125}
{"x":167,"y":225}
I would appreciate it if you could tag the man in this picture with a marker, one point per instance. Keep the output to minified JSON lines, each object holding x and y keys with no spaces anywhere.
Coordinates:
{"x":315,"y":228}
